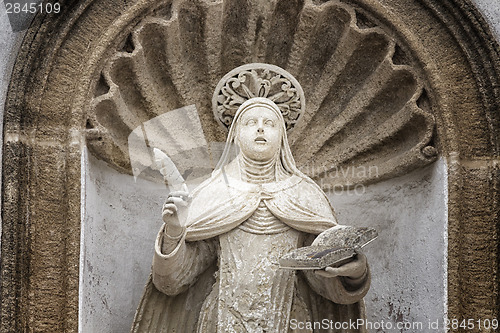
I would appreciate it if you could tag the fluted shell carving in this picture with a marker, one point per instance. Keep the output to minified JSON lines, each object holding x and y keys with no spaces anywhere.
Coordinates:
{"x":367,"y":115}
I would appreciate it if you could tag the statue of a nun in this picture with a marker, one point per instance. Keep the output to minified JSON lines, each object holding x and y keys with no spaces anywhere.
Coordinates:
{"x":219,"y":272}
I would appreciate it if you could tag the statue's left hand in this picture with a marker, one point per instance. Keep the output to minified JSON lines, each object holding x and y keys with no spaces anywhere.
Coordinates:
{"x":354,"y":269}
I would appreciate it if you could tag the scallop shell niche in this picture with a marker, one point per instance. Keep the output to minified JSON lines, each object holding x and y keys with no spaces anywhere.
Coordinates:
{"x":367,"y":117}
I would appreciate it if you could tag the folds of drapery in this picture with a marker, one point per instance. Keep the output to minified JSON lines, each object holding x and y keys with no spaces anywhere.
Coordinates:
{"x":218,"y":206}
{"x":224,"y":203}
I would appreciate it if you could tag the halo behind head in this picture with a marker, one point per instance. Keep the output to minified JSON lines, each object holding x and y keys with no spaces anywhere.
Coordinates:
{"x":258,"y":80}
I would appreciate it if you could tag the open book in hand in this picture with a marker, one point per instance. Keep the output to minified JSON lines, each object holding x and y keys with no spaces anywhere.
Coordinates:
{"x":333,"y":247}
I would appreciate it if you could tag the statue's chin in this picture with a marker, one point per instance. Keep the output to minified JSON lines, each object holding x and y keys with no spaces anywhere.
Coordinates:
{"x":260,"y":153}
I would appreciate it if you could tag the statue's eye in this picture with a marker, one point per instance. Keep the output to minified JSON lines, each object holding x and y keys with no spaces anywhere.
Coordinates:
{"x":269,"y":123}
{"x":251,"y":122}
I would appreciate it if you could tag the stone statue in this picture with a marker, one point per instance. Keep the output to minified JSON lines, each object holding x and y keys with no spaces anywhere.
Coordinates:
{"x":218,"y":270}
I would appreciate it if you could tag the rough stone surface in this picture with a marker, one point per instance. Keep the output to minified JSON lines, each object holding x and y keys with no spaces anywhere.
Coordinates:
{"x":9,"y":44}
{"x":473,"y":198}
{"x":371,"y":111}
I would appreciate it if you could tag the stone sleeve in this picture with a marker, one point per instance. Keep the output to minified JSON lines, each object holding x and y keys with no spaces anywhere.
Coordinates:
{"x":174,"y":271}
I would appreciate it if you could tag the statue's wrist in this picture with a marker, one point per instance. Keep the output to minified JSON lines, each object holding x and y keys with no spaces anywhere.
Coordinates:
{"x":353,"y":280}
{"x":173,"y":232}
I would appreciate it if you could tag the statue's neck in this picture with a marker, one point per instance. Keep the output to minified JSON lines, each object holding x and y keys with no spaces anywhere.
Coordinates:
{"x":257,"y":172}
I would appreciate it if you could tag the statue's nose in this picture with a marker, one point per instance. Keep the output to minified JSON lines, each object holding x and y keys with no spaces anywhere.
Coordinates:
{"x":260,"y":126}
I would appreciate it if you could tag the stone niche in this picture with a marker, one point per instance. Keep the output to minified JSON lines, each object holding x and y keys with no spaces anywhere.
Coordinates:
{"x":400,"y":129}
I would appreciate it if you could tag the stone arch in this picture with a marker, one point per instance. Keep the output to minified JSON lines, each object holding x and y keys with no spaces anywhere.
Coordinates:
{"x":45,"y":128}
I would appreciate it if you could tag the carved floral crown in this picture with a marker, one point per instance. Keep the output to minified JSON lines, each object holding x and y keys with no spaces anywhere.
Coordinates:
{"x":258,"y":80}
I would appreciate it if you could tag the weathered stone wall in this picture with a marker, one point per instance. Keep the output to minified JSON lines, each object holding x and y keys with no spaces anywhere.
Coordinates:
{"x":9,"y":44}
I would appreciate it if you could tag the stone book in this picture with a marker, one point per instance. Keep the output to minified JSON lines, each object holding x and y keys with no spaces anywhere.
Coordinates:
{"x":333,"y":247}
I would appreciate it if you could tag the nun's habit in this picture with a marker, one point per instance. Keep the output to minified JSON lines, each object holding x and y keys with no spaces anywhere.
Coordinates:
{"x":222,"y":274}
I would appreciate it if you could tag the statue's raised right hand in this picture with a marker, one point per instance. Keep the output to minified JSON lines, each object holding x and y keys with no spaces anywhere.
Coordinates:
{"x":174,"y":211}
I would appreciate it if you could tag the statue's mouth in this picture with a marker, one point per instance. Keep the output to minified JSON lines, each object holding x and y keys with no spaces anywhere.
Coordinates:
{"x":260,"y":139}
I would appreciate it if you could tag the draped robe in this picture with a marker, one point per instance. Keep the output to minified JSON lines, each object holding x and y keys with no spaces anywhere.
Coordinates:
{"x":184,"y":292}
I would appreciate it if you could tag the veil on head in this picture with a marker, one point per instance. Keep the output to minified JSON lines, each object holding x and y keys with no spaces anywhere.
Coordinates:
{"x":285,"y":155}
{"x":265,"y":85}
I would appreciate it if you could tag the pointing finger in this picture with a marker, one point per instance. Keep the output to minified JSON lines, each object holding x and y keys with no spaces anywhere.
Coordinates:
{"x":177,"y":201}
{"x":170,"y":206}
{"x":178,"y":194}
{"x":167,"y":212}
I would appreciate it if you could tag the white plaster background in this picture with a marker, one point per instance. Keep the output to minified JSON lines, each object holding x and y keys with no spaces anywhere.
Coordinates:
{"x":407,"y":257}
{"x":407,"y":260}
{"x":491,"y":11}
{"x":122,"y":217}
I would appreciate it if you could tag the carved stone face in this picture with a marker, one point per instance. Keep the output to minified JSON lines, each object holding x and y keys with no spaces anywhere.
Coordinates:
{"x":259,"y":134}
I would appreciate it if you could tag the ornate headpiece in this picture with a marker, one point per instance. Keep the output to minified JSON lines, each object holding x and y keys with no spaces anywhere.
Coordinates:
{"x":258,"y":80}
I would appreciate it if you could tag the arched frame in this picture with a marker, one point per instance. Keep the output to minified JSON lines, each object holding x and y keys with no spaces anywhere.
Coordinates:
{"x":45,"y":132}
